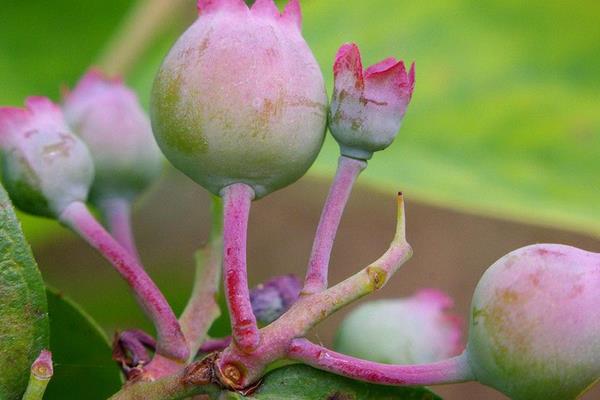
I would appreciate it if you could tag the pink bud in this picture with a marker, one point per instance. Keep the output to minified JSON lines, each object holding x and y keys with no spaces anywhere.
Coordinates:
{"x":368,"y":106}
{"x":107,"y":115}
{"x":271,"y":299}
{"x":45,"y":167}
{"x":535,"y":323}
{"x":42,"y":367}
{"x":417,"y":329}
{"x":240,"y":98}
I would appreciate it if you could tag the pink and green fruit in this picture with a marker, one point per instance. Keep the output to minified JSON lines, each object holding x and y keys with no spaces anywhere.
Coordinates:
{"x":240,"y":98}
{"x":535,"y":323}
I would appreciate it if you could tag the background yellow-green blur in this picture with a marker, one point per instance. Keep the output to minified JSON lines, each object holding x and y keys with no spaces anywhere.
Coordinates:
{"x":504,"y":123}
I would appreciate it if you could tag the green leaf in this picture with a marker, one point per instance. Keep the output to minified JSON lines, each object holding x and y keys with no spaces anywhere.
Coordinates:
{"x":23,"y":312}
{"x":301,"y":382}
{"x":81,"y":352}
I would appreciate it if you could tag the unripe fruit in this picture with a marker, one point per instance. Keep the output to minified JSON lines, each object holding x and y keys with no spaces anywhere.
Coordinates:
{"x":107,"y":115}
{"x":44,"y":166}
{"x":240,"y":98}
{"x":367,"y":106}
{"x":535,"y":325}
{"x":413,"y":330}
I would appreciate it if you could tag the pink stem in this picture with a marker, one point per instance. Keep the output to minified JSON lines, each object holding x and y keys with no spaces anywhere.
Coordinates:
{"x":171,"y":342}
{"x":211,"y":345}
{"x":117,"y":212}
{"x":318,"y":265}
{"x":237,"y":199}
{"x":453,"y":370}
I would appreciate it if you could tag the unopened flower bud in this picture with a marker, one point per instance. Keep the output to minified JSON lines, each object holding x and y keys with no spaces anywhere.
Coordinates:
{"x":412,"y":330}
{"x":42,"y":371}
{"x":535,"y":323}
{"x":107,"y":115}
{"x":271,"y":299}
{"x":240,"y":98}
{"x":44,"y":166}
{"x":368,"y":106}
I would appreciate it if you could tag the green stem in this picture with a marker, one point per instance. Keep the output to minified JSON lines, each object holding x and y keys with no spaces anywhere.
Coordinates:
{"x":202,"y":308}
{"x":41,"y":373}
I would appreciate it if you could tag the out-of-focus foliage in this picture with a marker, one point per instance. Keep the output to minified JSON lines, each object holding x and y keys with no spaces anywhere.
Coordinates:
{"x":23,"y":314}
{"x":81,"y":353}
{"x":504,"y":120}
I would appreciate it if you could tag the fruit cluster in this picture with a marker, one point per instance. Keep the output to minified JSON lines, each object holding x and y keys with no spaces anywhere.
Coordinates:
{"x":240,"y":106}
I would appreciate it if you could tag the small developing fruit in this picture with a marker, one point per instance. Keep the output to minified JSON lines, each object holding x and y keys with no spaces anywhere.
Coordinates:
{"x":240,"y":98}
{"x":413,"y":330}
{"x":107,"y":115}
{"x":535,"y":323}
{"x":44,"y":166}
{"x":368,"y":106}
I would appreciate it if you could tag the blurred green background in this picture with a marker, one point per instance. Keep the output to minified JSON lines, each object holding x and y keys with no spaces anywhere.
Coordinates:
{"x":504,"y":123}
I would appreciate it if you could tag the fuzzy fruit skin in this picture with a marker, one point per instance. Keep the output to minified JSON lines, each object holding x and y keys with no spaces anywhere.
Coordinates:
{"x":240,"y":98}
{"x":535,"y":323}
{"x":412,"y":330}
{"x":107,"y":115}
{"x":45,"y":167}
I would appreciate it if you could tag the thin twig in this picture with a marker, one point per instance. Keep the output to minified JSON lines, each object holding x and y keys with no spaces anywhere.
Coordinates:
{"x":318,"y":265}
{"x":202,"y":308}
{"x":312,"y":309}
{"x":116,"y":211}
{"x":452,"y":370}
{"x":171,"y":342}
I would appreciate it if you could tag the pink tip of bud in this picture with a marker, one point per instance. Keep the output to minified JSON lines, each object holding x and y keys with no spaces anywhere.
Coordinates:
{"x":292,"y":13}
{"x":436,"y":298}
{"x":92,"y":81}
{"x":13,"y":119}
{"x":455,"y":324}
{"x":10,"y":116}
{"x":452,"y":324}
{"x":42,"y":367}
{"x":348,"y":59}
{"x":208,"y":6}
{"x":266,"y":8}
{"x":95,"y":74}
{"x":411,"y":78}
{"x":41,"y":104}
{"x":390,"y":71}
{"x":382,"y":66}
